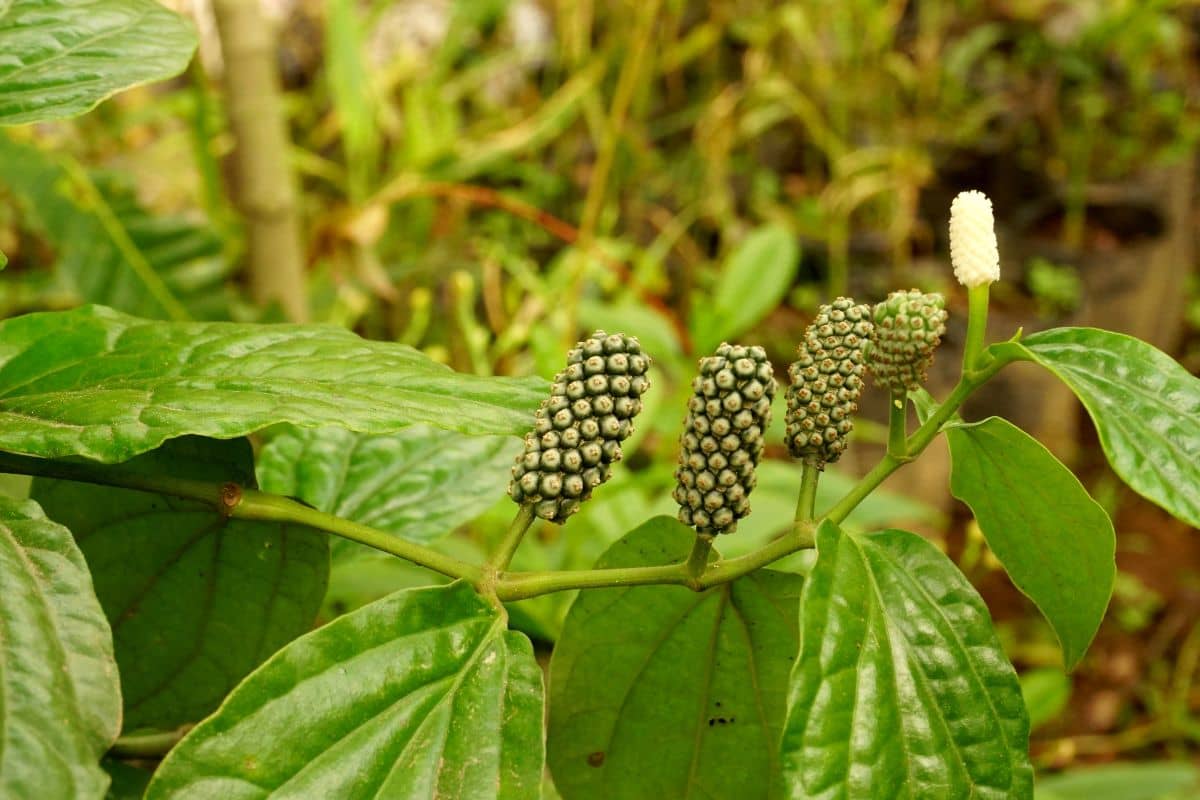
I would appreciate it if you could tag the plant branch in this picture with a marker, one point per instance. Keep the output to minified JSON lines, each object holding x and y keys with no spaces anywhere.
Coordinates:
{"x":916,"y":443}
{"x":500,"y":560}
{"x":522,"y":585}
{"x":806,"y":503}
{"x":897,"y":446}
{"x":698,"y":561}
{"x":234,"y":501}
{"x":263,"y":187}
{"x":977,"y":313}
{"x":237,"y":502}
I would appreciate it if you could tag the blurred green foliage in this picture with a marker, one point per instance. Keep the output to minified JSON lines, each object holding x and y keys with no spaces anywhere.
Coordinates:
{"x":479,"y":177}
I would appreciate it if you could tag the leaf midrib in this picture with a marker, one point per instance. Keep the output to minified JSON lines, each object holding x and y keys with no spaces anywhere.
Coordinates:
{"x":68,"y":52}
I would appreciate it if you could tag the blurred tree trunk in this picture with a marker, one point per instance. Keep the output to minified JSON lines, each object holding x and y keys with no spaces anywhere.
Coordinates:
{"x":263,"y":187}
{"x":1142,"y":288}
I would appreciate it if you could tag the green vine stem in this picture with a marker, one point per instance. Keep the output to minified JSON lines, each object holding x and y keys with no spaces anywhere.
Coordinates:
{"x":240,"y":503}
{"x":806,"y":503}
{"x":236,"y":502}
{"x":697,"y":562}
{"x":503,"y":556}
{"x":977,"y":313}
{"x":523,"y":585}
{"x":897,"y":446}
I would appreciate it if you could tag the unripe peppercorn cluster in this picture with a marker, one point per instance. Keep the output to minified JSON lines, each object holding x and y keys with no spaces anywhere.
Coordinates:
{"x":723,"y":438}
{"x":826,"y":380}
{"x":578,"y":430}
{"x":908,"y":328}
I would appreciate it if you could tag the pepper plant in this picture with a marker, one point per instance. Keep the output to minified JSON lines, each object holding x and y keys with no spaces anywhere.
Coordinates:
{"x":160,"y":584}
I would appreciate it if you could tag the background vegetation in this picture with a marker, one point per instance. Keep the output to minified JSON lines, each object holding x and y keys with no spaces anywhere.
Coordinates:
{"x":488,"y":180}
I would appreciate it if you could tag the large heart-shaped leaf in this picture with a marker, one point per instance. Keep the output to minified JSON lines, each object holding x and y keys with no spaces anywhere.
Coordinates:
{"x":100,"y":384}
{"x":195,"y":600}
{"x":1056,"y":543}
{"x":1146,"y":408}
{"x":419,"y":483}
{"x":108,"y":249}
{"x":659,"y":691}
{"x":422,"y":694}
{"x":902,"y":689}
{"x":58,"y":58}
{"x":61,"y":702}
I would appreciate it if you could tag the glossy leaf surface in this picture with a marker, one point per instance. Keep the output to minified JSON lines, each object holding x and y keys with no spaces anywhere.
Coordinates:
{"x":1146,"y":408}
{"x":659,"y":691}
{"x":195,"y":600}
{"x":418,"y":483}
{"x":1056,"y":543}
{"x":61,"y":57}
{"x":96,"y":383}
{"x":422,"y":694}
{"x":902,"y":689}
{"x":61,"y":701}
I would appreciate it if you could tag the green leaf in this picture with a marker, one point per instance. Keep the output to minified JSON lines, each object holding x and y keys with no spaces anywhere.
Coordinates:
{"x":195,"y":600}
{"x":96,"y":383}
{"x":1164,"y":780}
{"x":659,"y":691}
{"x":109,"y":249}
{"x":1056,"y":543}
{"x":651,"y":326}
{"x":1146,"y":408}
{"x":1046,"y":693}
{"x":352,"y":94}
{"x":757,"y":275}
{"x":62,"y":57}
{"x":902,"y":689}
{"x":419,"y":483}
{"x":61,"y":702}
{"x":420,"y":694}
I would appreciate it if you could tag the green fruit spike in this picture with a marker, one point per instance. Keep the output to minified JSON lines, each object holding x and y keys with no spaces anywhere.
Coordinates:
{"x":908,"y":328}
{"x":826,"y":380}
{"x":722,"y":440}
{"x":578,"y":430}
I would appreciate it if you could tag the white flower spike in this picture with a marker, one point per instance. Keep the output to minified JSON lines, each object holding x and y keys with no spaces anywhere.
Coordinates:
{"x":973,"y":250}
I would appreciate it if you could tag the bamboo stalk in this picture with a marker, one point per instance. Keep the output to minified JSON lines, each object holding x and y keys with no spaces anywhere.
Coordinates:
{"x":263,"y":186}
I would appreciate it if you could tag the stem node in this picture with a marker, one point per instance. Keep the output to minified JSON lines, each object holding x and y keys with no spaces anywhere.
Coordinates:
{"x":230,"y":498}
